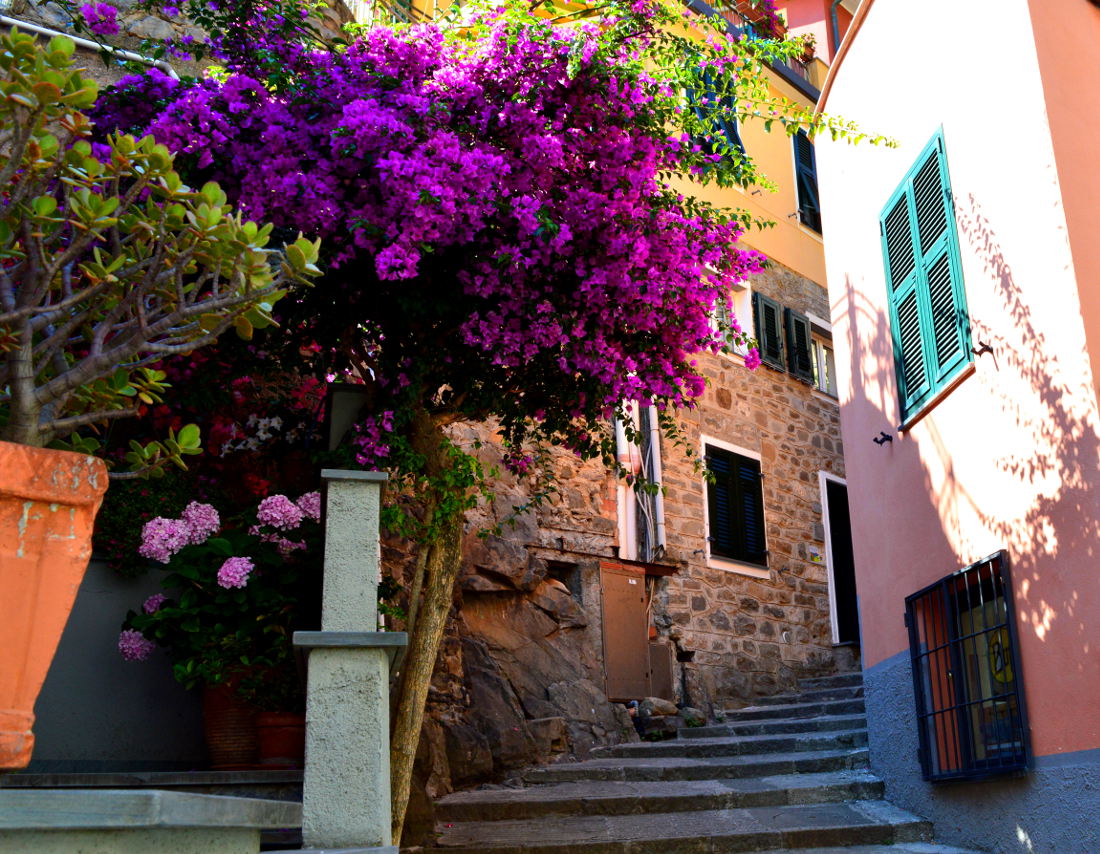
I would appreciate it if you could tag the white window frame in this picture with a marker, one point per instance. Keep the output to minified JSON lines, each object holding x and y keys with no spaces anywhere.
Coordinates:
{"x":723,"y":563}
{"x":824,"y":477}
{"x":741,"y":300}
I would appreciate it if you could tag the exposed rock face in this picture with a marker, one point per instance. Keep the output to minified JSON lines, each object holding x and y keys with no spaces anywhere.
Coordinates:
{"x":521,"y":677}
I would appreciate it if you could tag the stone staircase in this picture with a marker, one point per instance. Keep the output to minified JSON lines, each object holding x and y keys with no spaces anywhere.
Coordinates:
{"x":790,"y":773}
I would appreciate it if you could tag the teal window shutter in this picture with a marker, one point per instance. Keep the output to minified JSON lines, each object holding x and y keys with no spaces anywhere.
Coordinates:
{"x":767,"y":317}
{"x":920,"y":247}
{"x":800,"y":358}
{"x":735,"y":505}
{"x":805,"y":167}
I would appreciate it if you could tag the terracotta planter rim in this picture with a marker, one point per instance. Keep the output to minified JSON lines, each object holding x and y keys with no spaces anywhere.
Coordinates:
{"x":85,"y":485}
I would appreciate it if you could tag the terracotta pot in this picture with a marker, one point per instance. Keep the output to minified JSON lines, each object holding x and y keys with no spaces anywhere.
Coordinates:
{"x":229,"y":724}
{"x":282,"y":737}
{"x":48,"y":503}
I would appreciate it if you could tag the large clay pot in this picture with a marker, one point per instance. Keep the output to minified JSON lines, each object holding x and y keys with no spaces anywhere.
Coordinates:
{"x":48,"y":503}
{"x":282,"y":739}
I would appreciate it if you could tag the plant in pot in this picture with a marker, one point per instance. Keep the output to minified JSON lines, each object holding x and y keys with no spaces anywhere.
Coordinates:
{"x":108,"y":264}
{"x":234,"y":595}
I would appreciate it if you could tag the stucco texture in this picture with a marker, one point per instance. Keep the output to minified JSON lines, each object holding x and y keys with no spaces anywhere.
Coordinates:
{"x":1010,"y":457}
{"x":1049,"y":810}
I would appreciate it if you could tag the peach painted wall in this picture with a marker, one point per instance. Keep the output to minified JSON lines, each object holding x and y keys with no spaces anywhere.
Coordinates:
{"x":1067,"y":33}
{"x":789,"y":242}
{"x":1010,"y":458}
{"x":812,"y":16}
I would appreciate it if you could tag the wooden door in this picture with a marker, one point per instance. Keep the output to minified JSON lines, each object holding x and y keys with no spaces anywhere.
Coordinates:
{"x":625,"y":633}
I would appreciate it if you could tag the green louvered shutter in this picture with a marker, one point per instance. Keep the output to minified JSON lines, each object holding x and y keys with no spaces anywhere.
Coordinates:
{"x":735,"y":507}
{"x":928,"y":317}
{"x":767,"y":318}
{"x":805,"y":166}
{"x":799,"y":355}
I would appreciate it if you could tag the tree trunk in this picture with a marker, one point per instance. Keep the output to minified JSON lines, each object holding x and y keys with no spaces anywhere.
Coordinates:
{"x":440,"y":573}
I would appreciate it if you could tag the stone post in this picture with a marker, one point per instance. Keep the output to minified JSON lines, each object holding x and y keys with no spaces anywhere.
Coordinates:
{"x":346,"y":793}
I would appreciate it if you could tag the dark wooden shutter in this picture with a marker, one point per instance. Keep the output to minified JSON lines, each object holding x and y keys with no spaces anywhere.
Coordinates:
{"x":931,"y":329}
{"x":717,"y":114}
{"x":809,"y":208}
{"x":799,"y":355}
{"x":735,"y":505}
{"x":767,"y":316}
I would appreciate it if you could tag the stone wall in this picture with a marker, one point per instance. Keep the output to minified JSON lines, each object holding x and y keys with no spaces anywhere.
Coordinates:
{"x":521,"y":675}
{"x":748,"y":636}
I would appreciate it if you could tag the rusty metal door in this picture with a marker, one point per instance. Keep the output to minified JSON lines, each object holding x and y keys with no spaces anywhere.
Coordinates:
{"x":625,"y":632}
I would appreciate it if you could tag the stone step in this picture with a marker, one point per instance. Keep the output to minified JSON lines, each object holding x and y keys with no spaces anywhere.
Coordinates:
{"x":680,"y":768}
{"x":627,"y":798}
{"x":700,"y":748}
{"x":834,"y":681}
{"x":825,"y":723}
{"x":699,"y":832}
{"x":795,"y":710}
{"x":898,"y":848}
{"x":811,"y":695}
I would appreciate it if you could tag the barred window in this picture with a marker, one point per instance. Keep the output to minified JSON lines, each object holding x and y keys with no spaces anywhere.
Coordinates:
{"x":966,"y":674}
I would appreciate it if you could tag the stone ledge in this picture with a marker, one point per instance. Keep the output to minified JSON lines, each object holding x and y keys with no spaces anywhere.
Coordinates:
{"x":385,"y":849}
{"x":352,"y":474}
{"x":101,"y":809}
{"x":144,"y":779}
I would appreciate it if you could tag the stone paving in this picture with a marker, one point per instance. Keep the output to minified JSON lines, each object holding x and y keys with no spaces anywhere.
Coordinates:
{"x":790,"y":774}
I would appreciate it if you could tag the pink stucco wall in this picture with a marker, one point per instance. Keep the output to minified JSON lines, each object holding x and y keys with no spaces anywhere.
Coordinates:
{"x":1067,"y":34}
{"x":1010,"y":458}
{"x":812,"y":16}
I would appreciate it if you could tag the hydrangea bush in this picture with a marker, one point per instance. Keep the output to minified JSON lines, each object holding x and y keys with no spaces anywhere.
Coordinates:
{"x":234,"y":592}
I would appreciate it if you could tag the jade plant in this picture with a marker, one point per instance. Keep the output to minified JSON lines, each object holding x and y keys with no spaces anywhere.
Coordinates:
{"x":110,"y":264}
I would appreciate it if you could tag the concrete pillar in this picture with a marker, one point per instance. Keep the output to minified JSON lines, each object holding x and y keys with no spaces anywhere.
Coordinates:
{"x":346,"y":797}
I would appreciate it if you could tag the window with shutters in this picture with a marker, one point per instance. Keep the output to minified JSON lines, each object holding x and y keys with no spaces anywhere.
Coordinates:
{"x":717,"y":113}
{"x":735,"y":506}
{"x":799,"y":345}
{"x":824,"y":366}
{"x":920,"y":247}
{"x":971,"y":717}
{"x":767,"y":317}
{"x":741,"y":304}
{"x":805,"y":171}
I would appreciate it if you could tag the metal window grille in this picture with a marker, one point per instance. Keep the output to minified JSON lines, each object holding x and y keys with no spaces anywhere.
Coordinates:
{"x":966,"y":674}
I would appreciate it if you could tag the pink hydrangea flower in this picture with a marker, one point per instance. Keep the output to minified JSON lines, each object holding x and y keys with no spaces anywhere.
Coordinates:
{"x":279,"y":512}
{"x":133,"y":645}
{"x":101,"y":18}
{"x":235,"y":572}
{"x":154,"y":603}
{"x":161,"y":538}
{"x":310,"y":505}
{"x":202,"y":520}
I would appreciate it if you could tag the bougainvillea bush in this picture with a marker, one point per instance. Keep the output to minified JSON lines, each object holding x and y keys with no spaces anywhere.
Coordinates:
{"x":511,"y":233}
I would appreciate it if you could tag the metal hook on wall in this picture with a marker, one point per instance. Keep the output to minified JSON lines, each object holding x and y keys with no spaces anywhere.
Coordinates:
{"x":882,"y":438}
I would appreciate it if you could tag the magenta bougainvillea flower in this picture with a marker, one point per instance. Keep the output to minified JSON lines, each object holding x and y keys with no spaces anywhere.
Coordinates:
{"x":101,"y":18}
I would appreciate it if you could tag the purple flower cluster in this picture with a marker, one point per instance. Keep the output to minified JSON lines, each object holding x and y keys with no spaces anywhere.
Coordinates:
{"x":100,"y":18}
{"x":154,"y":603}
{"x":234,"y":572}
{"x":497,"y":165}
{"x":202,"y":520}
{"x":133,"y":645}
{"x":310,"y":505}
{"x":161,"y":538}
{"x":280,"y":512}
